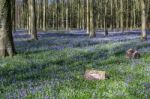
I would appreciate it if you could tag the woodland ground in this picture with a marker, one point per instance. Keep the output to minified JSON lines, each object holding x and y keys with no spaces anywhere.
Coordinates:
{"x":53,"y":67}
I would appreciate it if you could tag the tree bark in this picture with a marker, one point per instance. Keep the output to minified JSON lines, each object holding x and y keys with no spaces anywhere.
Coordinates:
{"x":33,"y":20}
{"x":143,"y":20}
{"x":44,"y":15}
{"x":67,"y":16}
{"x":121,"y":16}
{"x":88,"y":17}
{"x":62,"y":15}
{"x":92,"y":19}
{"x":13,"y":15}
{"x":6,"y":39}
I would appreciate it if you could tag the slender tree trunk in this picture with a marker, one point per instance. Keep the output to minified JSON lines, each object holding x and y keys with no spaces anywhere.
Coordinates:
{"x":134,"y":15}
{"x":33,"y":20}
{"x":105,"y":14}
{"x":92,"y":19}
{"x":143,"y":19}
{"x":70,"y":15}
{"x":57,"y":13}
{"x":121,"y":17}
{"x":88,"y":17}
{"x":25,"y":13}
{"x":62,"y":14}
{"x":111,"y":25}
{"x":127,"y":15}
{"x":44,"y":15}
{"x":78,"y":22}
{"x":6,"y":39}
{"x":131,"y":16}
{"x":53,"y":18}
{"x":38,"y":14}
{"x":13,"y":10}
{"x":83,"y":17}
{"x":41,"y":14}
{"x":29,"y":17}
{"x":117,"y":19}
{"x":67,"y":16}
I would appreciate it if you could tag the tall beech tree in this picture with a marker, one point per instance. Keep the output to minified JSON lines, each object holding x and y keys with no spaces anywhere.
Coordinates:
{"x":13,"y":11}
{"x":92,"y":19}
{"x":6,"y":39}
{"x":88,"y":17}
{"x":67,"y":15}
{"x":32,"y":23}
{"x":121,"y":16}
{"x":143,"y":19}
{"x":44,"y":15}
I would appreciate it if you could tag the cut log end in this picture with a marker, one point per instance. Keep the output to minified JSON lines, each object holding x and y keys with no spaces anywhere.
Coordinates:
{"x":95,"y":75}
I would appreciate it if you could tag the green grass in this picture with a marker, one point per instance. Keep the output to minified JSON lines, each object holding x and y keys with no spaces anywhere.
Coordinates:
{"x":59,"y":73}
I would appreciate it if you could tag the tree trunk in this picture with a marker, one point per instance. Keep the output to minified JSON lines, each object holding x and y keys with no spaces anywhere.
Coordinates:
{"x":13,"y":14}
{"x":78,"y":22}
{"x":6,"y":39}
{"x":57,"y":13}
{"x":143,"y":19}
{"x":121,"y":16}
{"x":83,"y":17}
{"x":33,"y":20}
{"x":67,"y":16}
{"x":62,"y":15}
{"x":88,"y":18}
{"x":44,"y":15}
{"x":92,"y":19}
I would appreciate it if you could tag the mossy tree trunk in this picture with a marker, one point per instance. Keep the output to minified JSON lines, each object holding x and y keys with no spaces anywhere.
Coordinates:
{"x":6,"y":39}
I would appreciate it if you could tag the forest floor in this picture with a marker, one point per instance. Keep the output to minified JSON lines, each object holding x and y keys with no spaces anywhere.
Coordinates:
{"x":53,"y":67}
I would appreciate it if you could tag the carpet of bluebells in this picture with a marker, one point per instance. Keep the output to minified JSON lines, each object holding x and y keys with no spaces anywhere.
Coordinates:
{"x":53,"y":67}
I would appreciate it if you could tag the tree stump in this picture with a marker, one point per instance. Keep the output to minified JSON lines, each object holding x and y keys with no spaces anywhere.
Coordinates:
{"x":136,"y":55}
{"x":132,"y":54}
{"x":95,"y":75}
